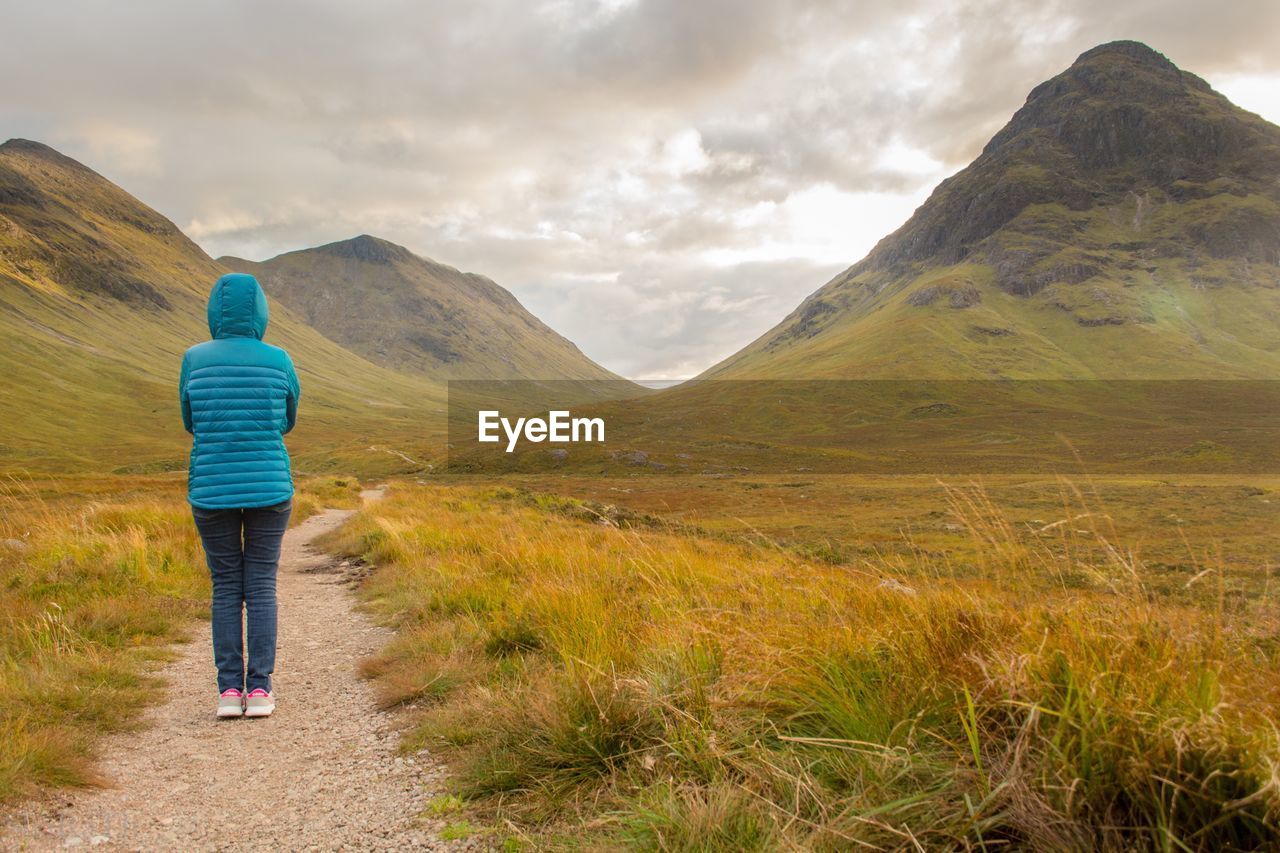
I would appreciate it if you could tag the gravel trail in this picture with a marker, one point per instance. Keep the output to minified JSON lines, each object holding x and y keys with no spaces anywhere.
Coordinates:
{"x":322,"y":773}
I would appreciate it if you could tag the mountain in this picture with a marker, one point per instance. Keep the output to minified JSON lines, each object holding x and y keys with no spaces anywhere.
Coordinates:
{"x":410,"y":313}
{"x":1124,"y":223}
{"x":99,"y":297}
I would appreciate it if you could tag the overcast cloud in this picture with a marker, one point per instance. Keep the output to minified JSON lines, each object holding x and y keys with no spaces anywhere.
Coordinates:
{"x":659,"y":180}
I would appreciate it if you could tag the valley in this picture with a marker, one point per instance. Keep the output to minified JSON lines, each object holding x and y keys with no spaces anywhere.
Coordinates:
{"x":975,"y":548}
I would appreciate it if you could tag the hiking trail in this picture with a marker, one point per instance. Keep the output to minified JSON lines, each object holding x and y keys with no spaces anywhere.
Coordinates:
{"x":322,"y":773}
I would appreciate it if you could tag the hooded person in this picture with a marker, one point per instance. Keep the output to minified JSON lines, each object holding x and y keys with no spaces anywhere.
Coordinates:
{"x":239,"y":397}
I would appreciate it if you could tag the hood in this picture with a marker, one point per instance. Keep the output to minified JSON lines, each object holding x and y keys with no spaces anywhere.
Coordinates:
{"x":237,"y":307}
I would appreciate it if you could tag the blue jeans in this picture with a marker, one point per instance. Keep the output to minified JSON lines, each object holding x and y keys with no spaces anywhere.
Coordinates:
{"x":242,"y":548}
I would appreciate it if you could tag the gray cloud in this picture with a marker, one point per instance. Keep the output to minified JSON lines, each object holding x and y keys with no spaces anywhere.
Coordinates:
{"x":660,"y":180}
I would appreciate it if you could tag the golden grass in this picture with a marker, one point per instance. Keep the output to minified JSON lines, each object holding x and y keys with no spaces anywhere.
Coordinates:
{"x":672,"y":691}
{"x":1189,"y":533}
{"x":316,"y":494}
{"x":92,"y":589}
{"x":97,"y":575}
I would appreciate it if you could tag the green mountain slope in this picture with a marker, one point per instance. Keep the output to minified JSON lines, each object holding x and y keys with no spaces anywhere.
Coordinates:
{"x":1125,"y":223}
{"x":100,"y":295}
{"x":410,"y":313}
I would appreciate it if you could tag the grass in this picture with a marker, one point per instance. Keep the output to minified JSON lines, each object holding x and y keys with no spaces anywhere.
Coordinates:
{"x":739,"y":664}
{"x":1189,"y":532}
{"x":92,"y":590}
{"x":97,"y":576}
{"x":315,"y":494}
{"x":601,"y":685}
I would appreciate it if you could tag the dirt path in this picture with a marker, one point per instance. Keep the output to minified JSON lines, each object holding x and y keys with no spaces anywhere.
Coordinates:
{"x":321,"y":773}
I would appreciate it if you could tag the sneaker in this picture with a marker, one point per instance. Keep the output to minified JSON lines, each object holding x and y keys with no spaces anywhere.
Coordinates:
{"x":259,"y":703}
{"x":230,"y":703}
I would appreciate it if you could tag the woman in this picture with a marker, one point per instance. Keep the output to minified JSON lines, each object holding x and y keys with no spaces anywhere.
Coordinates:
{"x":239,"y":397}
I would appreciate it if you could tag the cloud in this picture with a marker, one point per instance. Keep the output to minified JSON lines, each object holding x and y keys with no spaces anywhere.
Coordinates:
{"x":659,"y":180}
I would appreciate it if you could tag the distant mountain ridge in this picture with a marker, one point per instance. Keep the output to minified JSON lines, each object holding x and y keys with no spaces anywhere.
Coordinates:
{"x":100,"y":295}
{"x":410,"y":313}
{"x":1125,"y":222}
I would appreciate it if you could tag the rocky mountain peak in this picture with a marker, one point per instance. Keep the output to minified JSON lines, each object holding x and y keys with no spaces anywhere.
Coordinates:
{"x":38,"y":150}
{"x":1121,"y":119}
{"x":1135,"y":51}
{"x":1125,"y":197}
{"x":367,"y":248}
{"x":1120,"y":102}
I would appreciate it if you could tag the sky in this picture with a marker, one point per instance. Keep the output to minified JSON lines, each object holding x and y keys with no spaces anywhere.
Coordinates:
{"x":659,"y":180}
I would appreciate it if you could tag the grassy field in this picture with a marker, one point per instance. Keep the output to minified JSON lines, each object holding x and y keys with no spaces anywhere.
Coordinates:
{"x":753,"y":662}
{"x":597,"y":676}
{"x":97,"y":575}
{"x":1187,"y":532}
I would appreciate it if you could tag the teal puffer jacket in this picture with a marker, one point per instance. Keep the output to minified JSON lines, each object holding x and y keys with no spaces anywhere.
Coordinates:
{"x":239,"y":397}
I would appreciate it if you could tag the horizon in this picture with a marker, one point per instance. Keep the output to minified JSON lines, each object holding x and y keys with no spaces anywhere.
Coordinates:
{"x":660,"y":210}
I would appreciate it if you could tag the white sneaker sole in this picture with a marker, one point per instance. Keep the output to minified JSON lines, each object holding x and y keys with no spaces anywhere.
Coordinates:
{"x":225,"y":713}
{"x":260,"y":711}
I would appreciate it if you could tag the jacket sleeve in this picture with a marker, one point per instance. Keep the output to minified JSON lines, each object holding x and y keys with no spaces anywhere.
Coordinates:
{"x":183,"y":397}
{"x":294,"y":394}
